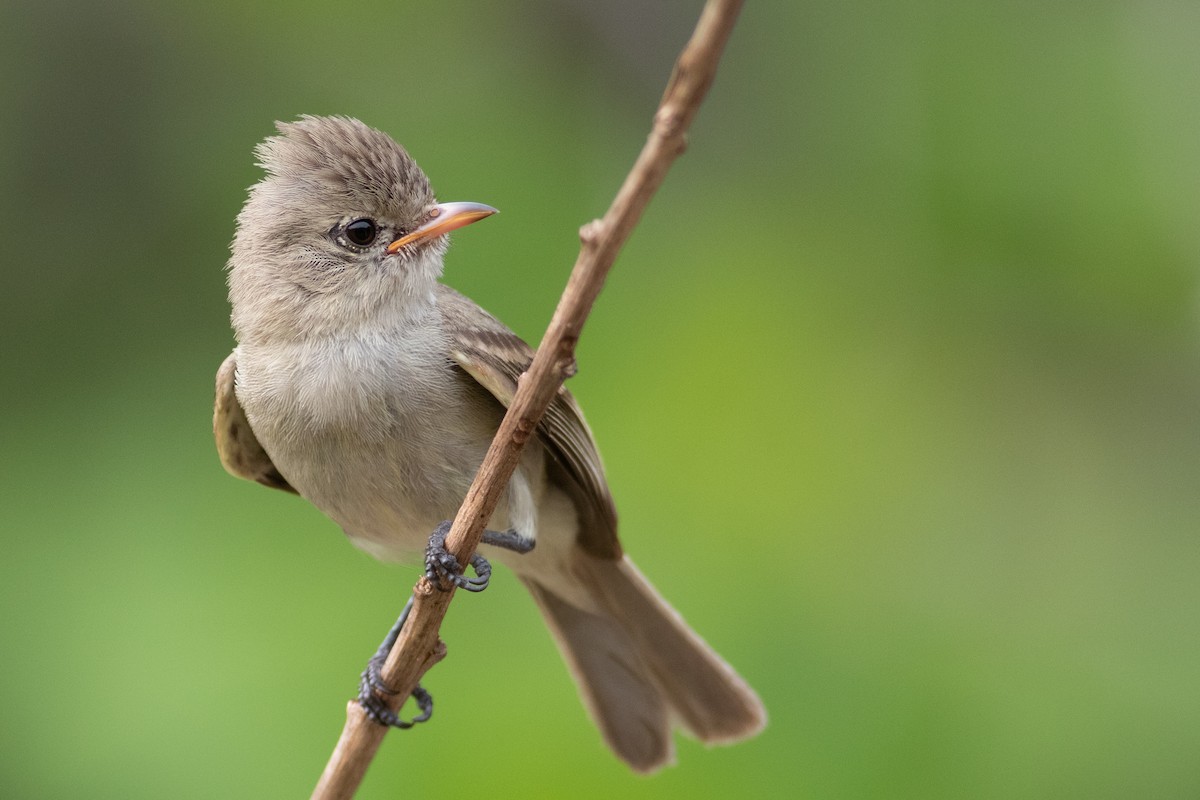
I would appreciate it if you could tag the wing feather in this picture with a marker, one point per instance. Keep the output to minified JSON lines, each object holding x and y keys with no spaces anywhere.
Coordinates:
{"x":239,"y":449}
{"x":495,"y":357}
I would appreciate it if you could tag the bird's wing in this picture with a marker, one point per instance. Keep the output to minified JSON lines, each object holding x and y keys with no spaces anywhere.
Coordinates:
{"x":240,"y":452}
{"x":495,"y":357}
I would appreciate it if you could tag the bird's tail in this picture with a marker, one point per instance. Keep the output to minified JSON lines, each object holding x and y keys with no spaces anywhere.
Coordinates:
{"x":639,"y":667}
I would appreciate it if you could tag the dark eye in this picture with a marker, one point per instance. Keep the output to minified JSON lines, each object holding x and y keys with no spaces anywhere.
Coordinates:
{"x":361,"y":232}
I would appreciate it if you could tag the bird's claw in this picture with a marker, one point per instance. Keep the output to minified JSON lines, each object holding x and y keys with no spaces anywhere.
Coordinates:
{"x":443,"y":569}
{"x":371,"y":691}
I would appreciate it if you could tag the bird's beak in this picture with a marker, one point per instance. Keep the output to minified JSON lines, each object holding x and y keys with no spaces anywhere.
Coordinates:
{"x":444,"y":218}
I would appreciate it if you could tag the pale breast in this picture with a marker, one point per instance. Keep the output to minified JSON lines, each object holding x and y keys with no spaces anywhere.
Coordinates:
{"x":384,"y":439}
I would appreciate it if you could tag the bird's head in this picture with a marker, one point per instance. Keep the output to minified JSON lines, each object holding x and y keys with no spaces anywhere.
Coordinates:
{"x":342,"y":230}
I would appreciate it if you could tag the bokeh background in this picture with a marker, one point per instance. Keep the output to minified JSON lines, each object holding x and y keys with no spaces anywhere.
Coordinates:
{"x":898,"y":384}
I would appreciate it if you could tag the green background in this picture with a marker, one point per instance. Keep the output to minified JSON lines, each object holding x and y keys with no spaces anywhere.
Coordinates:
{"x":897,"y":384}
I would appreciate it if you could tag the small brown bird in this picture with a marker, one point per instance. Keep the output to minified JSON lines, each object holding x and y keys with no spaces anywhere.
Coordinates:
{"x":372,"y":390}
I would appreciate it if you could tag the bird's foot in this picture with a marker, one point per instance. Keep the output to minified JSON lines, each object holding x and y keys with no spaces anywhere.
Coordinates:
{"x":442,"y":568}
{"x":372,"y":690}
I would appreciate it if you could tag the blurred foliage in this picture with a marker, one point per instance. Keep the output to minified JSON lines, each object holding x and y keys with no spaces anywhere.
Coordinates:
{"x":896,"y":382}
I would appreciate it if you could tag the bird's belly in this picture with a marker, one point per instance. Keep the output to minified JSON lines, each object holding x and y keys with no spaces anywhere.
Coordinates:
{"x":388,"y":491}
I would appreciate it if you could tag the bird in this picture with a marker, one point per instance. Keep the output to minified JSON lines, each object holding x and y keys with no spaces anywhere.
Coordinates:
{"x":362,"y":383}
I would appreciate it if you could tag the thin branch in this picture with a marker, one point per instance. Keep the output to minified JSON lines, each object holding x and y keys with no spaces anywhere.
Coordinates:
{"x":419,"y":647}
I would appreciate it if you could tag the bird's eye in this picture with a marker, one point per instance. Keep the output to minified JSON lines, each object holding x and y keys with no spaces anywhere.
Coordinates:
{"x":361,"y":232}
